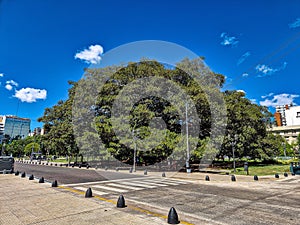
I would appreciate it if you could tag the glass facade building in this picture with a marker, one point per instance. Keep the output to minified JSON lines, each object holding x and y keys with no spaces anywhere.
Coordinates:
{"x":14,"y":126}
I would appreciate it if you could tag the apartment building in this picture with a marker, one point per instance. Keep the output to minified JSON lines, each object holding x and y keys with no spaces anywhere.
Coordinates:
{"x":287,"y":118}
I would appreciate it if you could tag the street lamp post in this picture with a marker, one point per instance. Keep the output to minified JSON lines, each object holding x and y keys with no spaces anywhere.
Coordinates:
{"x":234,"y":142}
{"x":187,"y":163}
{"x":134,"y":151}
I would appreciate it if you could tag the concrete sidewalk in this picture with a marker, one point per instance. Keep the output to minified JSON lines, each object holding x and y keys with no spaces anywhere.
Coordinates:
{"x":28,"y":202}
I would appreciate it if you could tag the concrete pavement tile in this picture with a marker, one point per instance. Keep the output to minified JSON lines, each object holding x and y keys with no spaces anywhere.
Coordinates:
{"x":9,"y":218}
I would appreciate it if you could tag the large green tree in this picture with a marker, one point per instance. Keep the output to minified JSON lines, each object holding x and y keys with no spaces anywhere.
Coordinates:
{"x":154,"y":124}
{"x":59,"y":138}
{"x":246,"y":128}
{"x":140,"y":130}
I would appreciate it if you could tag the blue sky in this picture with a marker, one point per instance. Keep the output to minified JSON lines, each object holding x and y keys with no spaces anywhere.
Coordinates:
{"x":255,"y":44}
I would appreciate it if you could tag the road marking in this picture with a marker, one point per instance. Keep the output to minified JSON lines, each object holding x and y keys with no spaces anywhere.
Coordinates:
{"x":126,"y":185}
{"x":169,"y":182}
{"x":109,"y":188}
{"x":139,"y":185}
{"x":105,"y":181}
{"x":151,"y":183}
{"x":93,"y":191}
{"x":122,"y":186}
{"x":173,"y":181}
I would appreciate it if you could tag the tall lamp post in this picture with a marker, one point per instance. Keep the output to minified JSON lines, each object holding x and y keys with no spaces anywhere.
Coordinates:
{"x":187,"y":163}
{"x":134,"y":150}
{"x":234,"y":142}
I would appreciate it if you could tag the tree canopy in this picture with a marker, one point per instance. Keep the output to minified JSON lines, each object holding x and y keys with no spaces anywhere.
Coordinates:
{"x":150,"y":106}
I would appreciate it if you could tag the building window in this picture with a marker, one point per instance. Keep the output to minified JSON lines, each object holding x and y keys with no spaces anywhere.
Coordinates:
{"x":298,"y":115}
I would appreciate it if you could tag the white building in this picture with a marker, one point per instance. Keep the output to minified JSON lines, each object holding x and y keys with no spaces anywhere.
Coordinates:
{"x":14,"y":126}
{"x":288,"y":122}
{"x":292,"y":115}
{"x":287,"y":115}
{"x":290,"y":133}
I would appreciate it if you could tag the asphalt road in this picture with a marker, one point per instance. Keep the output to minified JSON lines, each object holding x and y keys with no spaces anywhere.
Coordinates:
{"x":69,"y":175}
{"x":198,"y":202}
{"x":226,"y":203}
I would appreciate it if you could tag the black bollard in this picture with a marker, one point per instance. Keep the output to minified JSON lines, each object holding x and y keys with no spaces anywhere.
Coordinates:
{"x":41,"y":180}
{"x":88,"y":193}
{"x":255,"y":177}
{"x":17,"y":173}
{"x":87,"y":166}
{"x":285,"y":174}
{"x":121,"y":202}
{"x":61,"y":165}
{"x":293,"y":174}
{"x":145,"y":172}
{"x":233,"y":178}
{"x":163,"y":174}
{"x":55,"y":164}
{"x":207,"y":178}
{"x":54,"y":184}
{"x":277,"y":175}
{"x":31,"y":177}
{"x":23,"y":175}
{"x":79,"y":166}
{"x":173,"y":216}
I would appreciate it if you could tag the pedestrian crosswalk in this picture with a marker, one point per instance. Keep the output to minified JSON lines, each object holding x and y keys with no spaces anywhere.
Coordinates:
{"x":126,"y":185}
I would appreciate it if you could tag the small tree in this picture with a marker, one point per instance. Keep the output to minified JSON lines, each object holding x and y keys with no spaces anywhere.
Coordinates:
{"x":31,"y":147}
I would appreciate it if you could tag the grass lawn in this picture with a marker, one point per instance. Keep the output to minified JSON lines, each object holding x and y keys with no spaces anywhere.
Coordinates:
{"x":263,"y":170}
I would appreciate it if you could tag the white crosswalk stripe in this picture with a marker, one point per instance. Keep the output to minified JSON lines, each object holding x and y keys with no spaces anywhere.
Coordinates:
{"x":109,"y":188}
{"x":126,"y":185}
{"x":137,"y":184}
{"x":93,"y":191}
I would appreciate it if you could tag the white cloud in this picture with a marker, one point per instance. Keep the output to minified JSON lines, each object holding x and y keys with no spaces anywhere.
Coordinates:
{"x":243,"y":58}
{"x":241,"y":91}
{"x":268,"y":95}
{"x":1,"y":75}
{"x":228,"y":40}
{"x":245,"y":75}
{"x":281,"y":99}
{"x":10,"y":84}
{"x":30,"y":94}
{"x":90,"y":55}
{"x":253,"y":101}
{"x":295,"y":24}
{"x":266,"y":70}
{"x":8,"y":87}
